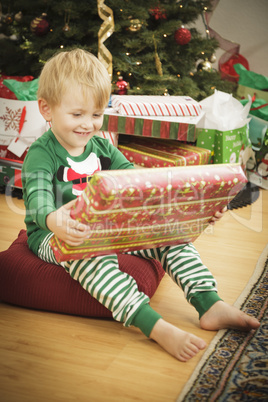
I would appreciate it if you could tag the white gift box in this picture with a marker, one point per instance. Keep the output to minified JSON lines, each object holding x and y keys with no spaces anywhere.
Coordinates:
{"x":20,"y":125}
{"x":143,"y":105}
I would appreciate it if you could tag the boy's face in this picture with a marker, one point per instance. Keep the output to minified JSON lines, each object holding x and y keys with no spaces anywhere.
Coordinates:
{"x":75,"y":120}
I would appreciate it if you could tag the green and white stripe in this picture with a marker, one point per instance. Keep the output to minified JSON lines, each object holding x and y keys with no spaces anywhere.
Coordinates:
{"x":118,"y":292}
{"x":183,"y":264}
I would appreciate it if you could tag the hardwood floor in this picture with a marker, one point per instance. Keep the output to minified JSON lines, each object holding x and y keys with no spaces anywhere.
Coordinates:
{"x":54,"y":357}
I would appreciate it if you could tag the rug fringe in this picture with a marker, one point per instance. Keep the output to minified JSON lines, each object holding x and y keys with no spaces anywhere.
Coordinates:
{"x":238,"y":303}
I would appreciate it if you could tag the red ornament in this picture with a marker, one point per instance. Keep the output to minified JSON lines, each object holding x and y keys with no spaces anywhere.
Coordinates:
{"x":159,"y":13}
{"x":122,"y":86}
{"x":226,"y":66}
{"x":182,"y":36}
{"x":40,"y":26}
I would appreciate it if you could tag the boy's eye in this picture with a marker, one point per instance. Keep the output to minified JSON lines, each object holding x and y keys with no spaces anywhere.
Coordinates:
{"x":76,"y":114}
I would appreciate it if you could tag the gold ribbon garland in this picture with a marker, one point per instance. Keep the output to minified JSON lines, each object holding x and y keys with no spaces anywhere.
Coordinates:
{"x":158,"y":63}
{"x":105,"y":31}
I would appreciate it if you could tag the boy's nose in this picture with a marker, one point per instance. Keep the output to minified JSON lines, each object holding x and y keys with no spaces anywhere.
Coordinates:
{"x":87,"y":124}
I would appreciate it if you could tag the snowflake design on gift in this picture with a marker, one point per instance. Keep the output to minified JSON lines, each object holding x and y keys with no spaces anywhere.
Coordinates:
{"x":11,"y":119}
{"x":3,"y":153}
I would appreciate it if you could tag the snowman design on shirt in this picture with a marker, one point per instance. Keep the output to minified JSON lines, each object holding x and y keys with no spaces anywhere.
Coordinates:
{"x":79,"y":173}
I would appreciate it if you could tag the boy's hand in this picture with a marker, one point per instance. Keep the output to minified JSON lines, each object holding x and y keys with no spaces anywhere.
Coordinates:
{"x":65,"y":228}
{"x":218,"y":215}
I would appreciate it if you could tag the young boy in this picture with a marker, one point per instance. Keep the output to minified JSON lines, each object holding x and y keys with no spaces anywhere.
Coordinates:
{"x":74,"y":89}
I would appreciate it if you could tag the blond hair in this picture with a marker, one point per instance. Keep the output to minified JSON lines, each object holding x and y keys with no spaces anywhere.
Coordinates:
{"x":69,"y":69}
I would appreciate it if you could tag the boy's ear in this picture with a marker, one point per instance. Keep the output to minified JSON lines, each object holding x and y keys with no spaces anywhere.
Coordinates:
{"x":44,"y":109}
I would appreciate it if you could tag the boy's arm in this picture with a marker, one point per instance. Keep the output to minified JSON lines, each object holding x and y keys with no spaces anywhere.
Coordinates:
{"x":37,"y":193}
{"x":118,"y":160}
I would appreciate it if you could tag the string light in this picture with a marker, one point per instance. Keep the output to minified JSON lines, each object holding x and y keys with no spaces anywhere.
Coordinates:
{"x":204,"y":21}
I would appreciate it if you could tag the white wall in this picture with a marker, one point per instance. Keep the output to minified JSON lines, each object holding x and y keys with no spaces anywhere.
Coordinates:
{"x":244,"y":22}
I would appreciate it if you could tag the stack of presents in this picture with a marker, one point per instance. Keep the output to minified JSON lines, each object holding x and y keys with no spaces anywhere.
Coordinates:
{"x":154,"y":133}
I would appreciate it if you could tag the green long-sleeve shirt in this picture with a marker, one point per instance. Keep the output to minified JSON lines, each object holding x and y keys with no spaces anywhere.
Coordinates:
{"x":51,"y":177}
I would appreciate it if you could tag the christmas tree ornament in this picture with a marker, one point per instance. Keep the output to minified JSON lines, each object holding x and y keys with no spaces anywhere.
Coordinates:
{"x":18,"y":16}
{"x":66,"y":27}
{"x":8,"y":19}
{"x":135,"y":25}
{"x":40,"y":25}
{"x":122,"y":86}
{"x":13,"y":37}
{"x":158,"y":63}
{"x":205,"y":65}
{"x":105,"y":31}
{"x":158,"y":13}
{"x":182,"y":36}
{"x":213,"y":58}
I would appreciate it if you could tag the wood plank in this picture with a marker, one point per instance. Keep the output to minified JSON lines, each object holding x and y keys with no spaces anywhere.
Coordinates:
{"x":54,"y":357}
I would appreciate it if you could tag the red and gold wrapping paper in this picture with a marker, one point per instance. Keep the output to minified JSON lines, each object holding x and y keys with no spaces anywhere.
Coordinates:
{"x":161,"y":153}
{"x":144,"y":208}
{"x":164,"y":127}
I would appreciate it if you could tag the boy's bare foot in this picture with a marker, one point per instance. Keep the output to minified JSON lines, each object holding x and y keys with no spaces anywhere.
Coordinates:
{"x":224,"y":316}
{"x":176,"y":342}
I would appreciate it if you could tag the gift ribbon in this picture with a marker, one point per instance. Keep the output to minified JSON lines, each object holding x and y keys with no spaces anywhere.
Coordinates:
{"x":231,"y":55}
{"x":259,"y":107}
{"x":22,"y":120}
{"x":105,"y":31}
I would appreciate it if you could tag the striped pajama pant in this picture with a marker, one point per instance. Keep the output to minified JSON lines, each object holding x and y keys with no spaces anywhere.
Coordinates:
{"x":118,"y":291}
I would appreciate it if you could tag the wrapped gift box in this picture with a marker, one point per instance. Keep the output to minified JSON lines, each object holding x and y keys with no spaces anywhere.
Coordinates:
{"x":257,"y":166}
{"x":144,"y":208}
{"x":140,"y":105}
{"x":226,"y":146}
{"x":166,"y":127}
{"x":163,"y":153}
{"x":7,"y":93}
{"x":20,"y":125}
{"x":10,"y":174}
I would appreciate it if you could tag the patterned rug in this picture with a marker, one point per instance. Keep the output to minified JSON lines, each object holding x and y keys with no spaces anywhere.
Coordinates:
{"x":235,"y":365}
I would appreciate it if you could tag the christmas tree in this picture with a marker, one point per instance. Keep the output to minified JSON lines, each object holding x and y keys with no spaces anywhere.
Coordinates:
{"x":153,"y":46}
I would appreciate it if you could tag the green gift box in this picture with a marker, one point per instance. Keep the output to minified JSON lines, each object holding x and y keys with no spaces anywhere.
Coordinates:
{"x":225,"y":146}
{"x":257,"y":166}
{"x":243,"y":92}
